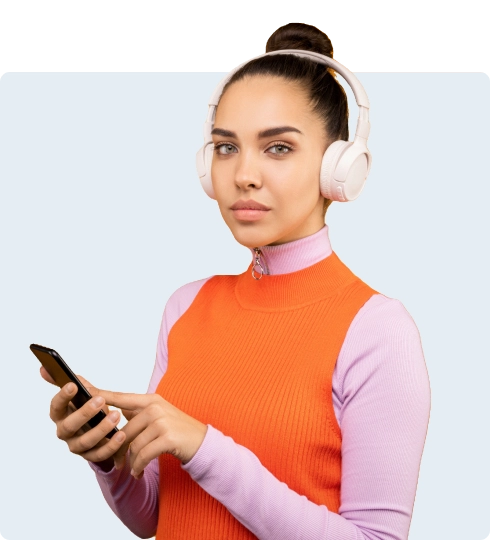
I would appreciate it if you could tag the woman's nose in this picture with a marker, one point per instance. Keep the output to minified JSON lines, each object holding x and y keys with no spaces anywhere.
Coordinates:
{"x":247,"y":173}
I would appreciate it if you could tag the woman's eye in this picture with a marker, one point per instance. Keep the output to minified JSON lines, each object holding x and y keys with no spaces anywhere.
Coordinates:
{"x":283,"y":149}
{"x":224,"y":145}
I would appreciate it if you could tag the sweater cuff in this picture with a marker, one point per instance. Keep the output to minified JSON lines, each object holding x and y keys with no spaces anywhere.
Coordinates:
{"x":202,"y":459}
{"x":112,"y":476}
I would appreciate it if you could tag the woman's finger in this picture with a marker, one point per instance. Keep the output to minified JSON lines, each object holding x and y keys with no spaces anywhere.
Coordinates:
{"x":132,"y":429}
{"x":46,"y":376}
{"x":90,"y":445}
{"x":104,"y":450}
{"x":120,"y":455}
{"x":151,"y":446}
{"x":60,"y":404}
{"x":70,"y":425}
{"x":86,"y":383}
{"x":128,"y":414}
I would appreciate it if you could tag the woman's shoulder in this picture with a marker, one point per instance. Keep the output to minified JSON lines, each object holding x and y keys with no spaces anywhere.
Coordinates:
{"x":382,"y":314}
{"x":383,"y":342}
{"x":180,"y":300}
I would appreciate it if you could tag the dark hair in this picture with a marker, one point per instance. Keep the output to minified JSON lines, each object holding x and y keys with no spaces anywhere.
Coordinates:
{"x":326,"y":96}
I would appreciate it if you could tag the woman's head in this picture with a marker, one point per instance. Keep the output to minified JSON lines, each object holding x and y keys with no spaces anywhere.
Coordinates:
{"x":280,"y":170}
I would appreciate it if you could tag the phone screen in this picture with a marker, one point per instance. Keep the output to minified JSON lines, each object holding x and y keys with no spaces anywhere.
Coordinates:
{"x":62,"y":374}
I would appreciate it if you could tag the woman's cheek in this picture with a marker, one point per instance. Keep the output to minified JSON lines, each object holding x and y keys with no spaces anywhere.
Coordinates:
{"x":277,"y":176}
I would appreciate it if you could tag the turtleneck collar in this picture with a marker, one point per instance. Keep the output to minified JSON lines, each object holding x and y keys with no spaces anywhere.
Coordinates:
{"x":295,"y":255}
{"x":300,"y":273}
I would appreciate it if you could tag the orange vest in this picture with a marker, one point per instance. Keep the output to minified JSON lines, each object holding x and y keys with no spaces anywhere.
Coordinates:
{"x":255,"y":359}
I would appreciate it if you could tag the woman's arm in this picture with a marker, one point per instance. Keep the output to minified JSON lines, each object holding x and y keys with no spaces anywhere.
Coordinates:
{"x":135,"y":502}
{"x":384,"y":394}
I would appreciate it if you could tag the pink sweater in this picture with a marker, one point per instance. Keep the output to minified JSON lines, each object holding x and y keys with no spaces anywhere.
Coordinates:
{"x":381,"y":367}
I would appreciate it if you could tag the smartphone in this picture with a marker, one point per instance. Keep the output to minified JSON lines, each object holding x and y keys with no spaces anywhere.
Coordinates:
{"x":62,"y":374}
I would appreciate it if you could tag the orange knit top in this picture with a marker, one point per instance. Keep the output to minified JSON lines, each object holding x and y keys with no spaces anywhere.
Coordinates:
{"x":255,"y":359}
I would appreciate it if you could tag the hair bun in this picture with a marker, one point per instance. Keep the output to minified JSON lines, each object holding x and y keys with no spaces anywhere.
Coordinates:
{"x":300,"y":36}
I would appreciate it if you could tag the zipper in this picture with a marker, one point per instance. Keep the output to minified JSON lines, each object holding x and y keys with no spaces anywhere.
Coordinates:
{"x":262,"y":265}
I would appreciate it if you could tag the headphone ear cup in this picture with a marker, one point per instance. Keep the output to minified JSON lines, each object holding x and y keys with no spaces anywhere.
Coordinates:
{"x":204,"y":158}
{"x":344,"y":169}
{"x":329,"y":188}
{"x":354,"y":171}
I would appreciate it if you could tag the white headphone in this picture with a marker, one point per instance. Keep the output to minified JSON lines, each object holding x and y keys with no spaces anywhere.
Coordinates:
{"x":345,"y":165}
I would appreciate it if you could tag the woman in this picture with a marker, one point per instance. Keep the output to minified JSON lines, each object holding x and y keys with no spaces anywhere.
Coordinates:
{"x":305,"y":391}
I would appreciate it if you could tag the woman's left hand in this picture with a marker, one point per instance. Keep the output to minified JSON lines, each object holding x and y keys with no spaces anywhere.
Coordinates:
{"x":154,"y":427}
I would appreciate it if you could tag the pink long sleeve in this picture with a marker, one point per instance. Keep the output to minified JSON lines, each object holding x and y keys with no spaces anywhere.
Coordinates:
{"x":381,"y":398}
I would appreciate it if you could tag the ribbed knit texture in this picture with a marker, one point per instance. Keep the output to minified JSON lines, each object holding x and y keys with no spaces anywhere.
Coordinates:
{"x":255,"y":359}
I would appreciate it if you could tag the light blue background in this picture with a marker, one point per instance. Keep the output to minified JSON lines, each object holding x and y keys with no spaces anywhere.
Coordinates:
{"x":102,"y":217}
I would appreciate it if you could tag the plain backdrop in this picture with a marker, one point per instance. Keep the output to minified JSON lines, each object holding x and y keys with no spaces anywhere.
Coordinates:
{"x":103,"y":217}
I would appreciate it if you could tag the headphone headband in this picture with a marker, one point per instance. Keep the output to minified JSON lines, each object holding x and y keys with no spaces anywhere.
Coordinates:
{"x":363,"y":127}
{"x":359,"y":92}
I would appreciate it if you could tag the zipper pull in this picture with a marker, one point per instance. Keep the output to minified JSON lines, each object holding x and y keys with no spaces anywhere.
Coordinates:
{"x":258,"y":253}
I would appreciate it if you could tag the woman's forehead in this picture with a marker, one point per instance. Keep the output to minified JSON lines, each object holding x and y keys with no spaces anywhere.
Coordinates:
{"x":259,"y":103}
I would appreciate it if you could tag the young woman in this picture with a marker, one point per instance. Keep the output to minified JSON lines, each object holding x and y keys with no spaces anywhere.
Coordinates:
{"x":305,"y":391}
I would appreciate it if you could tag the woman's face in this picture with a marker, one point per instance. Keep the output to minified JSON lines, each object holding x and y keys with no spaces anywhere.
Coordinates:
{"x":281,"y":170}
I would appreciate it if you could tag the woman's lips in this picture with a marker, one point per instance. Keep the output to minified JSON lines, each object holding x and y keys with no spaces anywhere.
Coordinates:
{"x":248,"y":214}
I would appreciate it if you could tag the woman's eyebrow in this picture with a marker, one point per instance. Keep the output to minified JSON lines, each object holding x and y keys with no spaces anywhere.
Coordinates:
{"x":271,"y":132}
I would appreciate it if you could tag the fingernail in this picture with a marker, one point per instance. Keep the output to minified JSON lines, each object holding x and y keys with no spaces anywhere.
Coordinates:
{"x":70,"y":387}
{"x":137,"y":476}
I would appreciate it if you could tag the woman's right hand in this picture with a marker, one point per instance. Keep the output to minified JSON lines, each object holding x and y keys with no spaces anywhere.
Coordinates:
{"x":72,"y":427}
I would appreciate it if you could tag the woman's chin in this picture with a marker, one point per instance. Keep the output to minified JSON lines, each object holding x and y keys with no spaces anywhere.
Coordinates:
{"x":252,"y":235}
